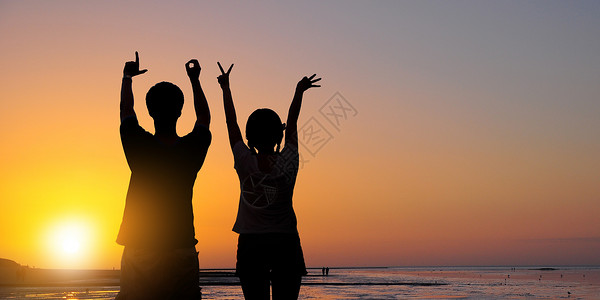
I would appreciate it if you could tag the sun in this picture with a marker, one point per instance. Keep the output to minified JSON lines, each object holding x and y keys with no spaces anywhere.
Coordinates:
{"x":70,"y":240}
{"x":71,"y":245}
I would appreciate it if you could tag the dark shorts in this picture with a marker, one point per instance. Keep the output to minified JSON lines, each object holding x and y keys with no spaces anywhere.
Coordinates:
{"x":277,"y":254}
{"x":159,"y":274}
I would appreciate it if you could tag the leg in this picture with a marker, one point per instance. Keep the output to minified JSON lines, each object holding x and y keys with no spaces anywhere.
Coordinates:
{"x":136,"y":282}
{"x":252,"y":268}
{"x":286,"y":286}
{"x":288,"y":267}
{"x":186,"y":275}
{"x":255,"y":286}
{"x":123,"y":281}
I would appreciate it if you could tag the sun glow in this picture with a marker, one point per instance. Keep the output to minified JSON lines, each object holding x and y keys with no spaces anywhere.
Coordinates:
{"x":70,"y":242}
{"x":71,"y":245}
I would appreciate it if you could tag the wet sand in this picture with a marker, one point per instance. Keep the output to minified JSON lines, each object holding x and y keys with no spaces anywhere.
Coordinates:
{"x":50,"y":277}
{"x":343,"y":283}
{"x":567,"y":274}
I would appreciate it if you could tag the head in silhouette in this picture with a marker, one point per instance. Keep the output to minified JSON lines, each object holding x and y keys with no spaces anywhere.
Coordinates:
{"x":165,"y":102}
{"x":264,"y":131}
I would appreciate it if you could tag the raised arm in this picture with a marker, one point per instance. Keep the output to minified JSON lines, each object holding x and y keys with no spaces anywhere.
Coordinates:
{"x":235,"y":135}
{"x":131,"y":69}
{"x":200,"y":104}
{"x":291,"y":131}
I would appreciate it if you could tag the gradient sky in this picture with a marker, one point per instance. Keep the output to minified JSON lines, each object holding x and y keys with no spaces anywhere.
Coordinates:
{"x":476,"y":137}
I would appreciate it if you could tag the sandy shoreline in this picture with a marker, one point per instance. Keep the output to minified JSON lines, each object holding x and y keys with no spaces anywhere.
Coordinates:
{"x":27,"y":277}
{"x":108,"y":278}
{"x":342,"y":283}
{"x":33,"y":277}
{"x":572,"y":275}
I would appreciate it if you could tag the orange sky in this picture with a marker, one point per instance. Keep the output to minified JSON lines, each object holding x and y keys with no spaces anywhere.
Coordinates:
{"x":475,"y":140}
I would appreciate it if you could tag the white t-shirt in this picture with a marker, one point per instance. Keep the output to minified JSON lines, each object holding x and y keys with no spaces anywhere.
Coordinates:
{"x":266,"y":199}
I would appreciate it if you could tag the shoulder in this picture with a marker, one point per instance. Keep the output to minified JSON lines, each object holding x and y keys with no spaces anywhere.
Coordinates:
{"x":200,"y":134}
{"x":130,"y":126}
{"x":242,"y":156}
{"x":130,"y":121}
{"x":240,"y":149}
{"x":201,"y":130}
{"x":288,"y":160}
{"x":289,"y":148}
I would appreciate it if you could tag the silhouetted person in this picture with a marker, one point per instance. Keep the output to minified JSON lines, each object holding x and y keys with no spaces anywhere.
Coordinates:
{"x":160,"y":259}
{"x":269,"y":251}
{"x":323,"y":271}
{"x":327,"y":271}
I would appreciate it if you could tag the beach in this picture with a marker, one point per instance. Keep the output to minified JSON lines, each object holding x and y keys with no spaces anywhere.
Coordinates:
{"x":345,"y":283}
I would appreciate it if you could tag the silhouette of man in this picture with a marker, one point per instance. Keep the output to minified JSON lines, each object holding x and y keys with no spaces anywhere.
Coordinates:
{"x":160,"y":259}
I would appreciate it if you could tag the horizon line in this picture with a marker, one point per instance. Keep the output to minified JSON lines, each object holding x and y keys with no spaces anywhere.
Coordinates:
{"x":365,"y":267}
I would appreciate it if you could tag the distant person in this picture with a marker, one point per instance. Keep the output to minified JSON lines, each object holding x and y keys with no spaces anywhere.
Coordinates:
{"x":269,"y":250}
{"x":160,"y":259}
{"x":323,"y":271}
{"x":327,"y":271}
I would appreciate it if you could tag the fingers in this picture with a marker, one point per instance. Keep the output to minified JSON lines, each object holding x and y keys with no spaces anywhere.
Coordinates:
{"x":137,"y":57}
{"x":223,"y":71}
{"x":309,"y":82}
{"x":143,"y":71}
{"x":221,"y":68}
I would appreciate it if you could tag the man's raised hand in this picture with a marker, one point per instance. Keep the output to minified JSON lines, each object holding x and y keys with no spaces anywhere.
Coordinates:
{"x":307,"y":83}
{"x":223,"y":79}
{"x":132,"y":68}
{"x":193,"y":68}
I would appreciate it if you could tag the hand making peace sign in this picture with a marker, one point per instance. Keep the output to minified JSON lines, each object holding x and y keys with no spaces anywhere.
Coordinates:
{"x":223,"y":79}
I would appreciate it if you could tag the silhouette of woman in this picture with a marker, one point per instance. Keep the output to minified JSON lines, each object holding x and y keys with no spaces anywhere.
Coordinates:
{"x":269,"y":250}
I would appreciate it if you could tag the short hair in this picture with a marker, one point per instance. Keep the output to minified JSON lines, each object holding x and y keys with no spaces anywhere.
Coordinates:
{"x":264,"y":128}
{"x":164,"y":101}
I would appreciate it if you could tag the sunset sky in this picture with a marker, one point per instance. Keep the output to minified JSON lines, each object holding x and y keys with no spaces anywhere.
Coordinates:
{"x":471,"y":135}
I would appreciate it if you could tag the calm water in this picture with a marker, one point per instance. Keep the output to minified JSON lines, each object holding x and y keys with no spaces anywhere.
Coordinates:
{"x":388,"y":283}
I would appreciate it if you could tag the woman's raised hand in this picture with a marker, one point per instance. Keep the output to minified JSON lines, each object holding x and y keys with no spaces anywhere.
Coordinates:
{"x":223,"y":79}
{"x":307,"y":82}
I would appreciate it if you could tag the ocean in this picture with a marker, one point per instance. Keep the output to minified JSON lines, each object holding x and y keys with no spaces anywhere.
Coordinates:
{"x":375,"y":283}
